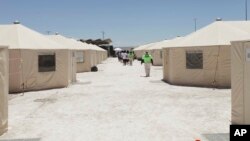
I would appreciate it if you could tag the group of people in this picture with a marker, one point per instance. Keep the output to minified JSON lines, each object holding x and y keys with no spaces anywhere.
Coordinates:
{"x":128,"y":57}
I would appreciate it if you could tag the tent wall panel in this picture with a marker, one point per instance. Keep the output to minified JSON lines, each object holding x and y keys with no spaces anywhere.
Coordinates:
{"x":72,"y":66}
{"x":224,"y":69}
{"x":86,"y":65}
{"x":79,"y":49}
{"x":246,"y":86}
{"x":4,"y":88}
{"x":139,"y":53}
{"x":215,"y":71}
{"x":99,"y":57}
{"x":25,"y":47}
{"x":240,"y":82}
{"x":165,"y":64}
{"x":94,"y":58}
{"x":32,"y":79}
{"x":15,"y":70}
{"x":157,"y":56}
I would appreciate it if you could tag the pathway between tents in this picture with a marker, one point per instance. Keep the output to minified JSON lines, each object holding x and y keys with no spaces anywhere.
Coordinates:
{"x":118,"y":103}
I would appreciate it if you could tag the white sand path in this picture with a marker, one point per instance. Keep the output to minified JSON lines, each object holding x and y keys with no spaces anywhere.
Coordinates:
{"x":117,"y":104}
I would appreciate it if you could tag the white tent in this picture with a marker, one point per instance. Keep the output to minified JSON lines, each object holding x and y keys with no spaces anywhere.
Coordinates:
{"x":36,"y":62}
{"x":94,"y":54}
{"x":84,"y":53}
{"x":4,"y":88}
{"x":203,"y":57}
{"x":240,"y":82}
{"x":139,"y":51}
{"x":156,"y":49}
{"x":101,"y":54}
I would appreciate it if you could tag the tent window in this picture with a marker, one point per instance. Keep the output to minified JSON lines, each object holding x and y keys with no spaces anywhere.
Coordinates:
{"x":47,"y":63}
{"x":79,"y":57}
{"x":194,"y":60}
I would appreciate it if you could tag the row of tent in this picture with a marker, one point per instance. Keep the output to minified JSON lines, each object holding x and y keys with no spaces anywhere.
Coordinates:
{"x":32,"y":61}
{"x":201,"y":58}
{"x":155,"y":49}
{"x":217,"y":55}
{"x":37,"y":61}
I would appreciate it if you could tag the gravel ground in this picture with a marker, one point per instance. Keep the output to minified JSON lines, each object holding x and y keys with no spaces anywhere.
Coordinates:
{"x":118,"y":104}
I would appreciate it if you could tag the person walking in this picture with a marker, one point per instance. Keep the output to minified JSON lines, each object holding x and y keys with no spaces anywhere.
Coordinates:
{"x":124,"y":57}
{"x":147,"y":59}
{"x":131,"y":58}
{"x":119,"y":54}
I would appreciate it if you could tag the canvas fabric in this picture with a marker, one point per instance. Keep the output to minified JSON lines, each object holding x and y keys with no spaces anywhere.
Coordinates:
{"x":4,"y":88}
{"x":240,"y":97}
{"x":216,"y":70}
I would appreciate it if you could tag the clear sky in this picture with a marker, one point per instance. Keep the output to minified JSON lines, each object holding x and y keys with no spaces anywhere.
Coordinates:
{"x":126,"y":22}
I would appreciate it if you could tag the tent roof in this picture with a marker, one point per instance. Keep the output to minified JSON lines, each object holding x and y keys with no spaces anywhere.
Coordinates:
{"x":172,"y":42}
{"x":95,"y":47}
{"x":70,"y":43}
{"x":243,"y":25}
{"x":217,"y":33}
{"x":143,"y":47}
{"x":74,"y":44}
{"x":156,"y":45}
{"x":165,"y":43}
{"x":153,"y":45}
{"x":160,"y":45}
{"x":17,"y":36}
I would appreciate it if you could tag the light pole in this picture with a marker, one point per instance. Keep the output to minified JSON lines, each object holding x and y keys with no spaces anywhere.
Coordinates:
{"x":103,"y":35}
{"x":48,"y":32}
{"x":246,"y":8}
{"x":195,"y":24}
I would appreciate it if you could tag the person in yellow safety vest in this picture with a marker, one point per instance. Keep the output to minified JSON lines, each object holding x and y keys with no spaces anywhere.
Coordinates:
{"x":147,"y":59}
{"x":131,"y":57}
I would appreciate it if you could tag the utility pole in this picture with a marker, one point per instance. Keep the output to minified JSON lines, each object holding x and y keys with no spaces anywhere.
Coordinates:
{"x":103,"y":35}
{"x":246,"y":7}
{"x":195,"y":24}
{"x":48,"y":32}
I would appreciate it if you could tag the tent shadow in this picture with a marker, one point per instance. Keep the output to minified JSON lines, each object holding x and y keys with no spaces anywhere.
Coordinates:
{"x":83,"y":83}
{"x":196,"y":86}
{"x":217,"y":137}
{"x":158,"y":69}
{"x":25,"y":139}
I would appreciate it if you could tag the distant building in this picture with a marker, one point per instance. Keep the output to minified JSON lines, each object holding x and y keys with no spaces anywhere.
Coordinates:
{"x":105,"y":44}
